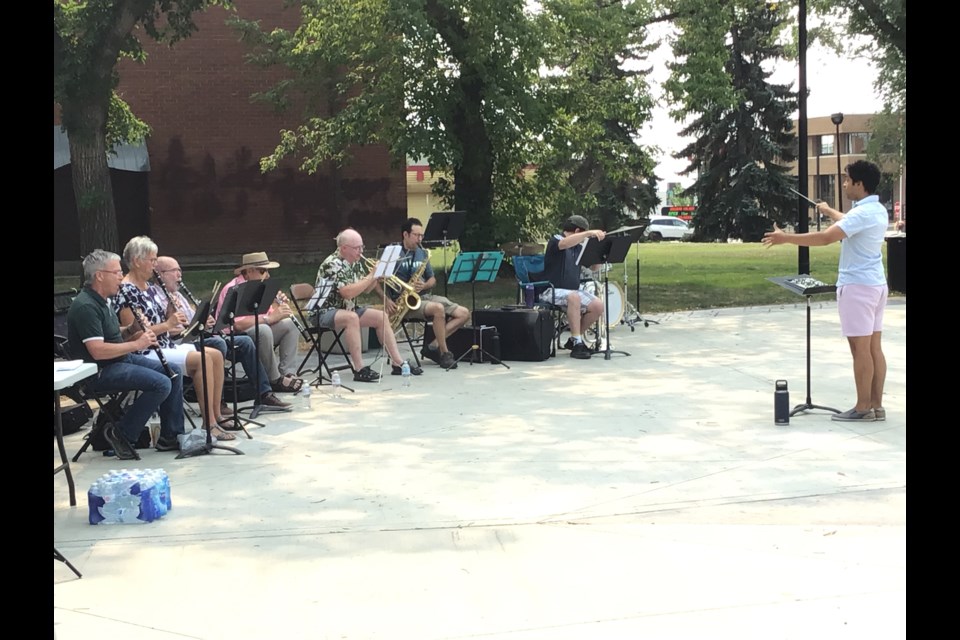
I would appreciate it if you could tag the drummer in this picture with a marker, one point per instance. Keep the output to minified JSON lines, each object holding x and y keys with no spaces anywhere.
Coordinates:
{"x":561,"y":269}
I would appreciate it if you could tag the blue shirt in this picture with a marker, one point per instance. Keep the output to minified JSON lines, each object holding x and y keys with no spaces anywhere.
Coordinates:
{"x":861,"y":260}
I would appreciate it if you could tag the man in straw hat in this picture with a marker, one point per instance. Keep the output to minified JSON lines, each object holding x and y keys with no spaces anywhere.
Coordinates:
{"x":277,"y":330}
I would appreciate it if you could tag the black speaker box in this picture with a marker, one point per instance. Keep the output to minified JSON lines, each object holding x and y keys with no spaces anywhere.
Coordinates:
{"x":525,"y":334}
{"x":463,"y":340}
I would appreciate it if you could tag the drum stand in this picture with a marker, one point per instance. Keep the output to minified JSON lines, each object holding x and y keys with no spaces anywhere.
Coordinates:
{"x":631,"y":314}
{"x":607,"y":352}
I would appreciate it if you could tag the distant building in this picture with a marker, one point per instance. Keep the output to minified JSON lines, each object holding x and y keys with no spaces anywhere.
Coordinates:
{"x":822,"y":146}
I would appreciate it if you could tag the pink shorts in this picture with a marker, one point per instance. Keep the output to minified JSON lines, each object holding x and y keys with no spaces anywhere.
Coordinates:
{"x":861,"y":309}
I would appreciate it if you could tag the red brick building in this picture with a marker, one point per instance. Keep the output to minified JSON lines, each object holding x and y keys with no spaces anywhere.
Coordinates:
{"x":208,"y":200}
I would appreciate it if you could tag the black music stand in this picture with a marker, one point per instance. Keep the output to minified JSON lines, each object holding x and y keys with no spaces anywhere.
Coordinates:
{"x":610,"y":250}
{"x":442,"y":228}
{"x":806,"y":286}
{"x":252,"y":296}
{"x":198,"y":328}
{"x":479,"y":266}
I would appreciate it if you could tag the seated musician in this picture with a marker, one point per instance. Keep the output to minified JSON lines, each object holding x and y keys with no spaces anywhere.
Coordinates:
{"x":561,"y":269}
{"x":95,"y":334}
{"x":169,"y":287}
{"x":277,"y":330}
{"x":414,"y":261}
{"x":346,"y":276}
{"x":140,"y":254}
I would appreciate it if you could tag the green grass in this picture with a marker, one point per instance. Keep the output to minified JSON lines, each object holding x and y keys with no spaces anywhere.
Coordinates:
{"x":674,"y":276}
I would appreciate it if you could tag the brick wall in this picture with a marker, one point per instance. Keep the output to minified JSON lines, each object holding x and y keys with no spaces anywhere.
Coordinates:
{"x":207,"y":195}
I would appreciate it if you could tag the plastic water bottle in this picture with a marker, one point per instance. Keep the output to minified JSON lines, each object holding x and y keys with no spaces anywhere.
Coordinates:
{"x":305,"y":392}
{"x":335,"y":383}
{"x":405,"y":373}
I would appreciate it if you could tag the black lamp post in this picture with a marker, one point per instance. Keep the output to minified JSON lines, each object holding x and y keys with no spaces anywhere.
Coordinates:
{"x":837,"y":119}
{"x":803,"y":253}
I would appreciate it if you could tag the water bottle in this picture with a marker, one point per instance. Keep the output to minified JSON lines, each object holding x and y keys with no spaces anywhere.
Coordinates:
{"x":528,"y":296}
{"x":305,"y":394}
{"x":335,"y":383}
{"x":405,"y":372}
{"x":781,"y":403}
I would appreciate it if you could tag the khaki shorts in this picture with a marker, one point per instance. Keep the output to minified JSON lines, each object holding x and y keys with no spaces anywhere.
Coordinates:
{"x":448,"y":306}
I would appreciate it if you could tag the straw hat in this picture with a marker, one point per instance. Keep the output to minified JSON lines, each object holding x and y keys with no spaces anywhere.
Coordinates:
{"x":257,"y":260}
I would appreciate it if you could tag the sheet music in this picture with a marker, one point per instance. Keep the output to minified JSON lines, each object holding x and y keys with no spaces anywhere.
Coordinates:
{"x":388,"y":261}
{"x":319,"y":297}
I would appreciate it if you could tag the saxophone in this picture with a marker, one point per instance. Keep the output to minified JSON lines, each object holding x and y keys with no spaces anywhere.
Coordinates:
{"x":403,"y":301}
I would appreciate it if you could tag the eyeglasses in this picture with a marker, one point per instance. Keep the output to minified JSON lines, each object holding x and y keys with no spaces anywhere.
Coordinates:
{"x":359,"y":246}
{"x":178,"y":270}
{"x":118,"y":272}
{"x":416,"y":235}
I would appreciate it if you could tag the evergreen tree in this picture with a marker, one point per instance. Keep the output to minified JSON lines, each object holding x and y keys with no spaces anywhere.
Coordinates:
{"x":743,"y":131}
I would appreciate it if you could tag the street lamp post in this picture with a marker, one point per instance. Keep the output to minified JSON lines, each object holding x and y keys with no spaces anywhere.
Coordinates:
{"x":837,"y":119}
{"x":803,"y":253}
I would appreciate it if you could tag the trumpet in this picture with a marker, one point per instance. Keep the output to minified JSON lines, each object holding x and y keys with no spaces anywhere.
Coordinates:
{"x":410,"y":295}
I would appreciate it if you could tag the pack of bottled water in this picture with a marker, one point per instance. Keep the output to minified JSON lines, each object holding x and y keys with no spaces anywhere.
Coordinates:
{"x":129,"y":496}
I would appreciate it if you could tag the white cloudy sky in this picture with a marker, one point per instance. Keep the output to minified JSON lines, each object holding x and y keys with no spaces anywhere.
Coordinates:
{"x":835,"y":84}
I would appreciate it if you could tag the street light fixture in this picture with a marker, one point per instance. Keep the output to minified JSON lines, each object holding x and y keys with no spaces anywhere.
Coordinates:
{"x":837,"y":120}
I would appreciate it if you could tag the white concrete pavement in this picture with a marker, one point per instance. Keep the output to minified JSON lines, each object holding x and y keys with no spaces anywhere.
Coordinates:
{"x":643,"y":496}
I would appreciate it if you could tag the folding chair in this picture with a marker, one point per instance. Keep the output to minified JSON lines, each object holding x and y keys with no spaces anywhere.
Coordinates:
{"x":529,"y":271}
{"x":109,"y":405}
{"x":303,"y":291}
{"x":415,"y":339}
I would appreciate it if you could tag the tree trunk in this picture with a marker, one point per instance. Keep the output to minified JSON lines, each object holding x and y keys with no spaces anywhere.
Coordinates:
{"x":473,"y":176}
{"x":92,"y":187}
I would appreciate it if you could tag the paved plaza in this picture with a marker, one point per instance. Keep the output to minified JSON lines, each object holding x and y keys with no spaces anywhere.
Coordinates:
{"x":645,"y":496}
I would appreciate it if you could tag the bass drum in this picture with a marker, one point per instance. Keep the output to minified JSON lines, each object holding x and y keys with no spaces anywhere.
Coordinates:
{"x":617,"y":306}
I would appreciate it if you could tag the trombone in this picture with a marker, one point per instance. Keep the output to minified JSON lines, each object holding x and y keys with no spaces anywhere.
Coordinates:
{"x":410,"y":295}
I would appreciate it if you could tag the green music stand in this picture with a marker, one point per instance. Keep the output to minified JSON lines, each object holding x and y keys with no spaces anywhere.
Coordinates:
{"x":474,"y":267}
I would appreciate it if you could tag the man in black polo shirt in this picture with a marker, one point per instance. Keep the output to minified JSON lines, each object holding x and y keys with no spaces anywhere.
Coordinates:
{"x":96,"y":336}
{"x":563,"y":272}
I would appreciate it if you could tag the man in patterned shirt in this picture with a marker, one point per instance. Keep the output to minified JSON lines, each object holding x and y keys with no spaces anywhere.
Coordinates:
{"x":346,"y":277}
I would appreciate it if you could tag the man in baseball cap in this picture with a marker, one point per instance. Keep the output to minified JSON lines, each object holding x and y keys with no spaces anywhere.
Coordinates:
{"x":563,"y":272}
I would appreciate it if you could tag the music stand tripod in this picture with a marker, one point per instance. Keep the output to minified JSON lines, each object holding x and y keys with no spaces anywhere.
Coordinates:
{"x":610,"y":250}
{"x":806,"y":286}
{"x":226,"y":320}
{"x":442,"y":228}
{"x":480,"y":266}
{"x":200,"y":320}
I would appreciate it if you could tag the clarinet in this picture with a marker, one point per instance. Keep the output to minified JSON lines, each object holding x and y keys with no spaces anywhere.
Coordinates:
{"x":193,"y":299}
{"x":144,"y":325}
{"x":282,"y":299}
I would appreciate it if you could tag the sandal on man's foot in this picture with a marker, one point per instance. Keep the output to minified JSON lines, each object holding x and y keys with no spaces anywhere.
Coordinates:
{"x":366,"y":375}
{"x":288,"y":383}
{"x":220,"y":434}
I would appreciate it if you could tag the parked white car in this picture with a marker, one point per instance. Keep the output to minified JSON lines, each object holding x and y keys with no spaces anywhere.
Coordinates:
{"x":667,"y":228}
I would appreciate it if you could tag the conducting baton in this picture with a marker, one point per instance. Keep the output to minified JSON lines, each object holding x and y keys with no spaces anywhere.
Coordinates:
{"x":803,"y":196}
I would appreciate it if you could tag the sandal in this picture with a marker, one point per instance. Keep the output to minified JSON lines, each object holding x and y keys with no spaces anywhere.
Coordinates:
{"x":366,"y":375}
{"x":220,"y":434}
{"x":288,"y":383}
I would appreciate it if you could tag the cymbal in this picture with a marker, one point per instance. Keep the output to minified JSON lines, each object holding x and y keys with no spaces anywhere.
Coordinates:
{"x":512,"y":249}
